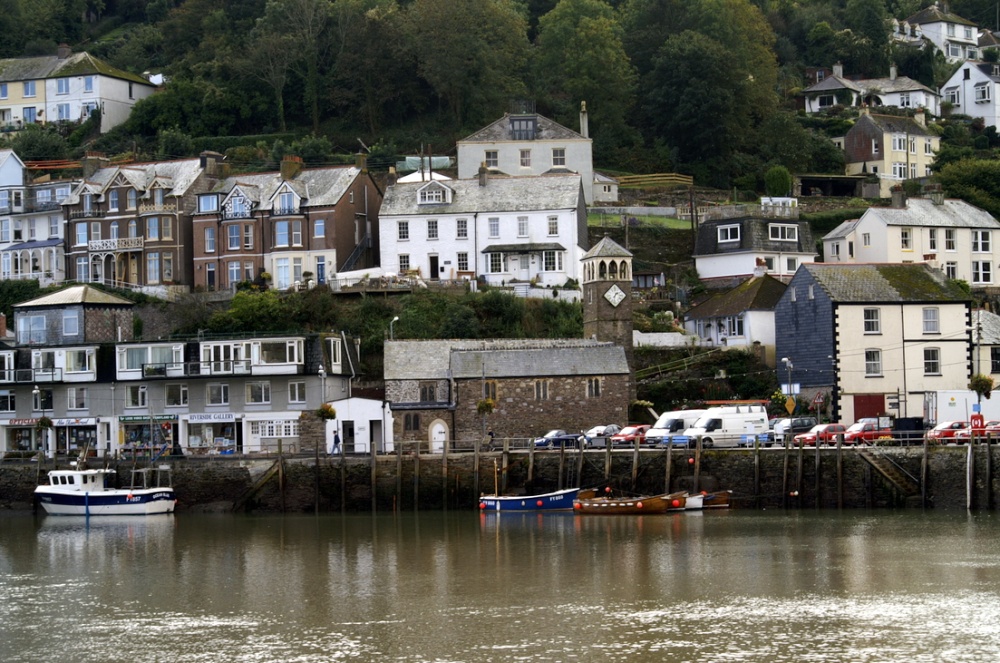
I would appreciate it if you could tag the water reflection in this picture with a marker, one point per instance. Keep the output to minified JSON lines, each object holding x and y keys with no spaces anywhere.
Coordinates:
{"x":732,"y":586}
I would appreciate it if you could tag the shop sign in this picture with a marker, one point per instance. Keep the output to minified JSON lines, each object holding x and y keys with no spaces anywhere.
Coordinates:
{"x":211,"y":416}
{"x":74,"y":422}
{"x":20,"y":422}
{"x":146,"y":419}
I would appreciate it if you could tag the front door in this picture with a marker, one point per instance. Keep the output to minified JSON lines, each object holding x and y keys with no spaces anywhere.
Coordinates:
{"x":320,"y":270}
{"x":348,"y":427}
{"x":439,"y":433}
{"x":433,"y":275}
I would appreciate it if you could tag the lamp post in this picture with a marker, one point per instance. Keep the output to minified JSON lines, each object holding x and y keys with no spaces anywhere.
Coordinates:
{"x":391,"y":323}
{"x":47,"y":447}
{"x":322,"y":399}
{"x":790,"y":400}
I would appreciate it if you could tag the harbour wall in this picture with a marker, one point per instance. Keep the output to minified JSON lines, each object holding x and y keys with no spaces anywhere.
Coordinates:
{"x":949,"y":477}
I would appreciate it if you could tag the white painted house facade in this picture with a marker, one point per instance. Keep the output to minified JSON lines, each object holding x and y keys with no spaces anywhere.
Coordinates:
{"x":501,"y":230}
{"x":973,"y":90}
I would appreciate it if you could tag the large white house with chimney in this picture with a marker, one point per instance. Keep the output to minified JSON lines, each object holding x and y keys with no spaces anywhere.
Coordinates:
{"x":526,"y":143}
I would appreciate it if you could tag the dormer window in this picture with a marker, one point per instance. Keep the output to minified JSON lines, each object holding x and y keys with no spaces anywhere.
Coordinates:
{"x":432,"y":195}
{"x":523,"y":128}
{"x":729,"y":233}
{"x":240,"y":209}
{"x":208,"y":203}
{"x":158,"y":197}
{"x":783,"y":233}
{"x":132,"y":198}
{"x":286,"y":203}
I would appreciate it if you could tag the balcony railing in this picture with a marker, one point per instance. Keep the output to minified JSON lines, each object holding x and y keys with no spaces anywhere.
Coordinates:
{"x":121,"y":244}
{"x":285,"y":211}
{"x":43,"y":205}
{"x":237,"y":214}
{"x":87,"y":214}
{"x":31,"y":375}
{"x":145,"y":208}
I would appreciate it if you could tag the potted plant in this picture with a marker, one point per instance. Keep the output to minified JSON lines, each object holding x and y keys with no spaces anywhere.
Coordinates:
{"x":326,"y":412}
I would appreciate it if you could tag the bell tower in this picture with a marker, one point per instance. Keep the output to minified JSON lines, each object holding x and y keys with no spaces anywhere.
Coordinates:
{"x":607,"y":295}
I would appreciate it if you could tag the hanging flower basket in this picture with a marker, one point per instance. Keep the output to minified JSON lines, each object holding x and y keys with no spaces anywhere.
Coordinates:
{"x":486,"y":406}
{"x":326,"y":412}
{"x":44,"y":423}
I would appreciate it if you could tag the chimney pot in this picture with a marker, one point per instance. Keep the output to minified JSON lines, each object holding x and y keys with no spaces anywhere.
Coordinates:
{"x":484,"y":174}
{"x":291,"y":166}
{"x":64,"y":51}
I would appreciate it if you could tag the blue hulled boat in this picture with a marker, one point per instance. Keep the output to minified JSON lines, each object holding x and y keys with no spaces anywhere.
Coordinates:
{"x":560,"y":500}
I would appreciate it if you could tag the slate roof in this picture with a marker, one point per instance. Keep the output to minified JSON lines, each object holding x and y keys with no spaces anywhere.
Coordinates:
{"x":933,"y":14}
{"x":80,"y":294}
{"x":894,"y":124}
{"x":754,"y":236}
{"x":50,"y":66}
{"x":760,"y":293}
{"x":923,"y":212}
{"x":317,"y":186}
{"x":870,"y":85}
{"x":471,"y":359}
{"x":988,"y":325}
{"x":897,"y":282}
{"x":178,"y":176}
{"x":607,"y":248}
{"x":514,"y":194}
{"x":545,"y":129}
{"x":843,"y":230}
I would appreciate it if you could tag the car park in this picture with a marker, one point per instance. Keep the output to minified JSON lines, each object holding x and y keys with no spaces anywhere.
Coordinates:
{"x":945,"y":431}
{"x":628,"y":435}
{"x":866,"y":432}
{"x":787,"y":427}
{"x":820,"y":434}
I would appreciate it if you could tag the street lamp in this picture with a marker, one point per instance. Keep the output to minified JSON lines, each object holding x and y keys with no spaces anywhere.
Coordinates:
{"x":788,"y":368}
{"x":37,"y":394}
{"x":391,"y":323}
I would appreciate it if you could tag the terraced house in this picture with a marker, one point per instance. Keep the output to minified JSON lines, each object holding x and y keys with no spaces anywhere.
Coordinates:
{"x":66,"y":87}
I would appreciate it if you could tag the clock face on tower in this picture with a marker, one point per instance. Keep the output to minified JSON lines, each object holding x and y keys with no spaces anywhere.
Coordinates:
{"x":614,"y":295}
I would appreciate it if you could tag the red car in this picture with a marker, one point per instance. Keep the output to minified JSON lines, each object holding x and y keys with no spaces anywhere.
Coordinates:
{"x":628,"y":435}
{"x":989,"y":429}
{"x":865,"y":433}
{"x":946,"y":430}
{"x":823,"y":433}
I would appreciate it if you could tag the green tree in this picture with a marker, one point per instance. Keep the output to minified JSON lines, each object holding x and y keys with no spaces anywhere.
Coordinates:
{"x":173,"y":144}
{"x":270,"y":61}
{"x":38,"y":143}
{"x":252,"y":312}
{"x":580,"y":56}
{"x":868,"y":22}
{"x":976,"y":181}
{"x":471,"y":52}
{"x":778,"y":181}
{"x":305,"y":23}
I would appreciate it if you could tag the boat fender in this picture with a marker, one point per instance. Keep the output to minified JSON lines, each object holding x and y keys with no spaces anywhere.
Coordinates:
{"x":482,"y":505}
{"x":539,"y":504}
{"x":676,"y":503}
{"x":638,"y":505}
{"x":577,"y":505}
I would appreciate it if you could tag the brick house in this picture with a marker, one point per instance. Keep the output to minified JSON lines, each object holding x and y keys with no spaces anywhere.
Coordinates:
{"x":297,"y":221}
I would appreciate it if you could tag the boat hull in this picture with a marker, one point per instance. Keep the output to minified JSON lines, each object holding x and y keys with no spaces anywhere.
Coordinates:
{"x":717,"y":500}
{"x":122,"y":502}
{"x":614,"y":506}
{"x":560,"y":500}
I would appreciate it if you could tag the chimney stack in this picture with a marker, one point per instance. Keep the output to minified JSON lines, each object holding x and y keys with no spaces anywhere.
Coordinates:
{"x":893,"y":72}
{"x":838,"y":70}
{"x":64,"y":51}
{"x":361,"y":161}
{"x":211,"y":162}
{"x":584,"y":121}
{"x":3,"y":326}
{"x":92,"y":162}
{"x":898,"y":197}
{"x":392,"y":175}
{"x":484,"y":174}
{"x":920,"y":118}
{"x":291,"y":166}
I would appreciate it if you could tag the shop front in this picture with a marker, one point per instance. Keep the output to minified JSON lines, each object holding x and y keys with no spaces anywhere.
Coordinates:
{"x":24,"y":436}
{"x":74,"y":435}
{"x":145,"y":435}
{"x":214,"y":433}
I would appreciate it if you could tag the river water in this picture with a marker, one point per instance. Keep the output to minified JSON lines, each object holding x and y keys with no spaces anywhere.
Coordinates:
{"x":464,"y":586}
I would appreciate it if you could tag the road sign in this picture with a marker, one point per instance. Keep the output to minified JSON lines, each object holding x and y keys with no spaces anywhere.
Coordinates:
{"x":790,"y":404}
{"x":818,"y":400}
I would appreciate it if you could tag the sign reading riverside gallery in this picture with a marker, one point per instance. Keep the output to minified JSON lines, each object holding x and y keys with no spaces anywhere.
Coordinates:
{"x":209,"y":417}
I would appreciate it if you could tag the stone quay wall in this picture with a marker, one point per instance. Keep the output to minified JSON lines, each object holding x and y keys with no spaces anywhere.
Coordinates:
{"x":768,"y":478}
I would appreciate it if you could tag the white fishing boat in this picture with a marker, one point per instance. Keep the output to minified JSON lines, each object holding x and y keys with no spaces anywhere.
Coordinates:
{"x":84,"y":492}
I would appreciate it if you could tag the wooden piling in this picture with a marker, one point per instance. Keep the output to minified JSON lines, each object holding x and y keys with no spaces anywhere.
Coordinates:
{"x":670,"y":458}
{"x":840,"y":471}
{"x":416,"y":474}
{"x":784,"y":477}
{"x":399,"y":475}
{"x":505,"y":464}
{"x":816,"y":478}
{"x":635,"y":462}
{"x":989,"y":475}
{"x":697,"y":466}
{"x":923,"y":473}
{"x":756,"y":474}
{"x":444,"y":476}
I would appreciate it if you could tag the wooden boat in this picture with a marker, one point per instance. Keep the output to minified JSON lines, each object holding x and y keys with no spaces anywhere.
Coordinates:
{"x":560,"y":500}
{"x":83,"y":492}
{"x":694,"y":501}
{"x":717,"y":500}
{"x":632,"y":505}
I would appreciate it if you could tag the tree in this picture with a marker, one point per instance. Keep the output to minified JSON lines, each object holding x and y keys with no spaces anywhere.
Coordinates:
{"x":38,"y":143}
{"x":472,"y":52}
{"x":976,"y":181}
{"x":778,"y":181}
{"x":269,"y":61}
{"x":580,"y":57}
{"x":867,"y":20}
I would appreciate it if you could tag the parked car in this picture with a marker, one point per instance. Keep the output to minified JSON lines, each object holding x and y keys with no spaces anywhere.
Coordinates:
{"x":558,"y":438}
{"x":945,"y":431}
{"x":820,"y":433}
{"x":787,"y":426}
{"x":628,"y":435}
{"x":864,"y":432}
{"x":598,"y":435}
{"x":990,"y":428}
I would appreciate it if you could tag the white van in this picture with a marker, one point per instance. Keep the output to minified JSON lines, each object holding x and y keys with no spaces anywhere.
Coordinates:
{"x":671,"y":423}
{"x":726,"y":426}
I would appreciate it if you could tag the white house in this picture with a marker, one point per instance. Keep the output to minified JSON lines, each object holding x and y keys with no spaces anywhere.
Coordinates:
{"x":897,"y":91}
{"x":956,"y":37}
{"x":526,"y":229}
{"x":730,"y":249}
{"x":973,"y":90}
{"x":67,"y":87}
{"x":526,"y":143}
{"x":950,"y":235}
